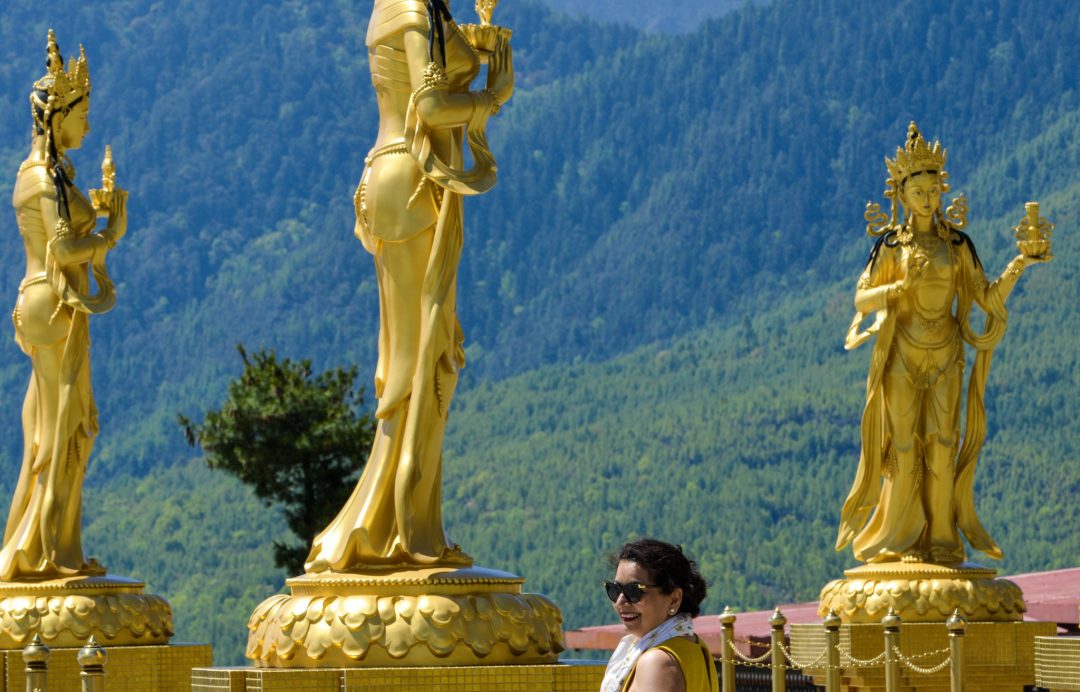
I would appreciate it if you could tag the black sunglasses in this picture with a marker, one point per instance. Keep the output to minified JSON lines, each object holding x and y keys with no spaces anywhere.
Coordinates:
{"x":634,"y":591}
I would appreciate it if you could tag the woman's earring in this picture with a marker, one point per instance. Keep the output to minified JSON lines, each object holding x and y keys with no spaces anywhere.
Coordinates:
{"x":671,"y":611}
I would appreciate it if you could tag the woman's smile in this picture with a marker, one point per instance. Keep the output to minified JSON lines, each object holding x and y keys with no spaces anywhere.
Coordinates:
{"x":651,"y":609}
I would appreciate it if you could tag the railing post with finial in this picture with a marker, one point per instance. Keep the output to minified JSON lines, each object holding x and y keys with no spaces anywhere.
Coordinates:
{"x":956,"y":625}
{"x":891,"y":623}
{"x":776,"y":643}
{"x":92,"y":661}
{"x":727,"y":655}
{"x":832,"y":651}
{"x":36,"y":656}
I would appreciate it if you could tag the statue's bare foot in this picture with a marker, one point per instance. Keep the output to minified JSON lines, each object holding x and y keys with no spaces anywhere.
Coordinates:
{"x":940,"y":555}
{"x":94,"y":568}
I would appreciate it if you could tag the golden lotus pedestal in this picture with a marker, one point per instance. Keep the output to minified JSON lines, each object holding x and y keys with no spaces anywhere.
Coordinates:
{"x":133,"y":627}
{"x":999,"y":647}
{"x":441,"y":616}
{"x":441,"y":628}
{"x":921,"y":592}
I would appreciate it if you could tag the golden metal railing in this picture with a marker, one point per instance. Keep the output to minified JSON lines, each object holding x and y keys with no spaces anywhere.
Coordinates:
{"x":91,"y":658}
{"x":92,"y":661}
{"x":36,"y":656}
{"x":778,"y":659}
{"x":776,"y":646}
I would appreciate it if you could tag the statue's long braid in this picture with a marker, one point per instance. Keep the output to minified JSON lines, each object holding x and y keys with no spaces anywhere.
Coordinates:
{"x":53,"y":161}
{"x":437,"y":12}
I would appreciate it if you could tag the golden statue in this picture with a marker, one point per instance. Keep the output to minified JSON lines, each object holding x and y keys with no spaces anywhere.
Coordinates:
{"x":389,"y":536}
{"x":913,"y":493}
{"x":409,"y":217}
{"x":57,"y":223}
{"x":42,"y":552}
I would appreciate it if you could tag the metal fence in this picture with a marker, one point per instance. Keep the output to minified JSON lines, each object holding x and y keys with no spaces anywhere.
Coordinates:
{"x":91,"y":660}
{"x":779,"y":663}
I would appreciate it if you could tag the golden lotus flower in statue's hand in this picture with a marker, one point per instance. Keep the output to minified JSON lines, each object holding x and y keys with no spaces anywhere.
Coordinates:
{"x":484,"y":10}
{"x":100,"y":199}
{"x":484,"y":37}
{"x":1033,"y":233}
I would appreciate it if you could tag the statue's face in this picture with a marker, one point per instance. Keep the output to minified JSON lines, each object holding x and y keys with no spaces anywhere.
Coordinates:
{"x":76,"y":125}
{"x":922,"y":194}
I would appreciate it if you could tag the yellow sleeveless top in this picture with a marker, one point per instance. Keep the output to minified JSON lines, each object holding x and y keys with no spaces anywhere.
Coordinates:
{"x":694,"y":660}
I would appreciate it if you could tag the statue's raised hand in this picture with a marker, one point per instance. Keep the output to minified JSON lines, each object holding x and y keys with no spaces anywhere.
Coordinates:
{"x":501,"y":71}
{"x":117,"y":227}
{"x":914,"y":268}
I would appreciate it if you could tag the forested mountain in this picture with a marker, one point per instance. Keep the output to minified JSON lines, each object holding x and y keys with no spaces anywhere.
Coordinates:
{"x":653,"y":297}
{"x":671,"y":16}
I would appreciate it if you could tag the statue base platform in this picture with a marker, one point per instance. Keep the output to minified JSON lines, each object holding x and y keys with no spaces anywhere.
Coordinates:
{"x":998,"y":656}
{"x":1057,"y":663}
{"x":442,"y":616}
{"x":570,"y":676}
{"x":67,"y":611}
{"x":921,"y":592}
{"x":146,"y":668}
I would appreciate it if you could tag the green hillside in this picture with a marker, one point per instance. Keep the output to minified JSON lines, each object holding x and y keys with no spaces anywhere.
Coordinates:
{"x":672,"y":16}
{"x":740,"y":441}
{"x":654,"y":296}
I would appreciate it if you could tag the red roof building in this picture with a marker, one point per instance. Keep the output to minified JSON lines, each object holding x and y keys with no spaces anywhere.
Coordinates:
{"x":1052,"y":596}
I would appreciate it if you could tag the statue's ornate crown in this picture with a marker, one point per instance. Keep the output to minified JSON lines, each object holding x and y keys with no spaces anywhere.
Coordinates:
{"x":62,"y":86}
{"x":916,"y":156}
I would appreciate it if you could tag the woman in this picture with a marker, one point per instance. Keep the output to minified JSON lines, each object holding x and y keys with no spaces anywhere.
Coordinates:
{"x":656,"y":593}
{"x":57,"y":223}
{"x":916,"y":469}
{"x":409,"y":217}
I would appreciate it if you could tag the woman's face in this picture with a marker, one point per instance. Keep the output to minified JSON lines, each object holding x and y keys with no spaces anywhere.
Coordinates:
{"x":654,"y":607}
{"x":76,"y":125}
{"x":922,"y":194}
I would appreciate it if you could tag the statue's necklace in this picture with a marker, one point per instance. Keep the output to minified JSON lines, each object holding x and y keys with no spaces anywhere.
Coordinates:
{"x":931,"y":317}
{"x":928,"y":243}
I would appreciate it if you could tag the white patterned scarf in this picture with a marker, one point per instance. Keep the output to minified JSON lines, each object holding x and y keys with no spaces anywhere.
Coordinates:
{"x":630,"y":648}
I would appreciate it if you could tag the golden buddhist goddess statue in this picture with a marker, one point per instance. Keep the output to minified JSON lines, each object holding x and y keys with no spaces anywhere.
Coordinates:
{"x":409,"y":218}
{"x":383,"y":585}
{"x":913,"y":491}
{"x":57,"y":224}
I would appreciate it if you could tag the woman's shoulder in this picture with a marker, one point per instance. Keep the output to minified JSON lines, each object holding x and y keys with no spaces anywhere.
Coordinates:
{"x":658,"y":669}
{"x":682,"y":648}
{"x":390,"y":17}
{"x":692,"y":658}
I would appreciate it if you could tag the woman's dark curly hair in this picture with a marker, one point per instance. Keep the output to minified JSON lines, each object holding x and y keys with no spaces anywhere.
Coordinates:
{"x":669,"y":569}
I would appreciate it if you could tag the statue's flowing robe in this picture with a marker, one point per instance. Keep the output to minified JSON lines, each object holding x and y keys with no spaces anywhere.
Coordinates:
{"x":860,"y":518}
{"x":394,"y":516}
{"x":43,"y":534}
